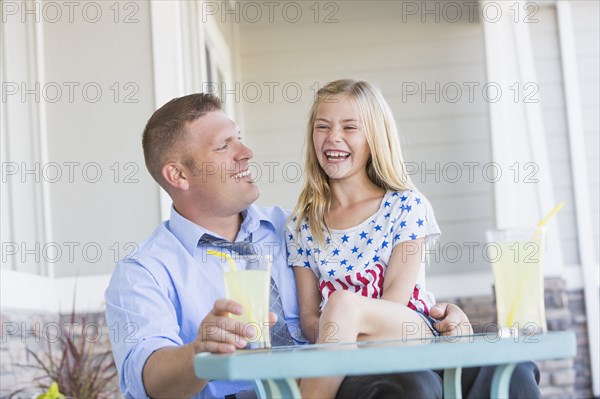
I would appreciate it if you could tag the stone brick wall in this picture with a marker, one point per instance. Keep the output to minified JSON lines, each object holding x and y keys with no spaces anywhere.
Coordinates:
{"x":566,"y":378}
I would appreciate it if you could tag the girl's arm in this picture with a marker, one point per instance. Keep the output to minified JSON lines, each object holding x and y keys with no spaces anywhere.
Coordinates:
{"x":309,"y":299}
{"x":402,"y":271}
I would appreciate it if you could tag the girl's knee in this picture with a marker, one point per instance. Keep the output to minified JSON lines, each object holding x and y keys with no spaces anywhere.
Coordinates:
{"x":341,"y":307}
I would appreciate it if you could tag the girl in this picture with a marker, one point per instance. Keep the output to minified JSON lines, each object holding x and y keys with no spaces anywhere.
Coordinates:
{"x":357,"y":221}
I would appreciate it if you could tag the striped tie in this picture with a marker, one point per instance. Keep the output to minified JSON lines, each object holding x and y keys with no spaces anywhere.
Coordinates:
{"x":280,"y":335}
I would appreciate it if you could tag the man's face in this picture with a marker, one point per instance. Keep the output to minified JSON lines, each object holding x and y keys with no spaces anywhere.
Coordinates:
{"x":219,"y":179}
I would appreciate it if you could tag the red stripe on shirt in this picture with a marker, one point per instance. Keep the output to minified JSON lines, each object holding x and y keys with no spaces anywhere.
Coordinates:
{"x":351,"y":283}
{"x":365,"y":282}
{"x":340,"y":282}
{"x":374,"y":283}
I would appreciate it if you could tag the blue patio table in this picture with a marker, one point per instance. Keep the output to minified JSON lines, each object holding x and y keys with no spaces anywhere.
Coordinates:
{"x":274,"y":370}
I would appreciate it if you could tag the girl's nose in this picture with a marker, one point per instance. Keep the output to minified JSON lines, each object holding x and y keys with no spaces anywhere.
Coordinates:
{"x":335,"y":135}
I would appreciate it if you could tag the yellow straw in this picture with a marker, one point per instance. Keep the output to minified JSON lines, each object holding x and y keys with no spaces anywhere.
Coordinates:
{"x":551,"y":214}
{"x":519,"y":297}
{"x":224,"y":255}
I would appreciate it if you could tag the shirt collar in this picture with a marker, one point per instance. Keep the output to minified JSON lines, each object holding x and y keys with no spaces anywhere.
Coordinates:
{"x":189,"y":233}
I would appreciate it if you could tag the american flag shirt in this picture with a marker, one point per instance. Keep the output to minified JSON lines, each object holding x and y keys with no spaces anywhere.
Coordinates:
{"x":356,"y":259}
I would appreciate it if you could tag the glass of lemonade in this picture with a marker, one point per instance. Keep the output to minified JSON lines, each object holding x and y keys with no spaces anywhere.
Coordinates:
{"x":516,"y":256}
{"x":251,"y":289}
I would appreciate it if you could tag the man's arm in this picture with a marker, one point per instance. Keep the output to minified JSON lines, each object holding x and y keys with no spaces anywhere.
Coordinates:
{"x":169,"y":371}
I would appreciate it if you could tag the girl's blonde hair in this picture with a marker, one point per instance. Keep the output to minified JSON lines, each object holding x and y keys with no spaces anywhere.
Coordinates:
{"x":385,"y":166}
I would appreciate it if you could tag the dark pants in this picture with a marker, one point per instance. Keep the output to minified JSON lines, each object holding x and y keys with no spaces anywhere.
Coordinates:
{"x":476,"y":383}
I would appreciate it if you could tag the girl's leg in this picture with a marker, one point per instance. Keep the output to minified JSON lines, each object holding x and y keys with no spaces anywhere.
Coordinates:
{"x":349,"y":317}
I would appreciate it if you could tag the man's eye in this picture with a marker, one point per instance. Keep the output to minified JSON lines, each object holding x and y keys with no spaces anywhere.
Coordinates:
{"x":226,"y":146}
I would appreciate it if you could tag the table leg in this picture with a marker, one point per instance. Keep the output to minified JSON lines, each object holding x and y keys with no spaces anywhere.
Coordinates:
{"x":501,"y":380}
{"x":282,"y":388}
{"x":452,"y":384}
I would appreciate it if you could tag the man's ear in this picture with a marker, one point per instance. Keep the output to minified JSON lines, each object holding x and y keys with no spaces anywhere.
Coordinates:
{"x":175,"y":175}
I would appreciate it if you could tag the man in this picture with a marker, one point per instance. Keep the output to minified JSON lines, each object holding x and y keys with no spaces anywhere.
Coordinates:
{"x":164,"y":302}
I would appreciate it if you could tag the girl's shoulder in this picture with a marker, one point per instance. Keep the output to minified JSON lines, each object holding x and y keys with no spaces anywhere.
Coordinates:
{"x":406,"y":197}
{"x":293,"y":225}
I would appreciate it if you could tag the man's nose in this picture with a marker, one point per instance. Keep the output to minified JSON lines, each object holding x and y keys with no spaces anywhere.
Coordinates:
{"x":245,"y":152}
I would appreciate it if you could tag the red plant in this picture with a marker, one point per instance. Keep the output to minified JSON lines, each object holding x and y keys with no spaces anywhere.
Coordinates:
{"x":83,"y":368}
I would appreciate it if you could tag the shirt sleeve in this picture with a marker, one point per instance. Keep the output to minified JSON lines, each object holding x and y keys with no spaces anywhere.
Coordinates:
{"x":296,"y":247}
{"x":414,"y":218}
{"x":141,"y":319}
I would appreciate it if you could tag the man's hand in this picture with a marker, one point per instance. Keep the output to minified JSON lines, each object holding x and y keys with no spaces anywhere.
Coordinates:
{"x":219,"y":333}
{"x":452,"y":320}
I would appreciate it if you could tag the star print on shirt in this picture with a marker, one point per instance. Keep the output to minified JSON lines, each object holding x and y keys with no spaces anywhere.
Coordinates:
{"x":401,"y":217}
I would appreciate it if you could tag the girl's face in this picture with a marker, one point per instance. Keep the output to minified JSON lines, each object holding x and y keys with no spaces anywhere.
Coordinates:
{"x":339,"y":139}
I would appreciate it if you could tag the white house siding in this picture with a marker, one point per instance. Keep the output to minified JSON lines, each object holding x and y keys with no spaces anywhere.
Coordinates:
{"x":96,"y":209}
{"x":586,"y":15}
{"x":376,"y":41}
{"x":547,"y":58}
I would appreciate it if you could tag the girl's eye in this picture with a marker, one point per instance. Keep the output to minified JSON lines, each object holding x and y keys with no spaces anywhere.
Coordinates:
{"x":321,"y":127}
{"x":350,"y":127}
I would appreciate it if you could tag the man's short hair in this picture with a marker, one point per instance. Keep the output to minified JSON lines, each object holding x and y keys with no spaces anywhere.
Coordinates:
{"x":165,"y":134}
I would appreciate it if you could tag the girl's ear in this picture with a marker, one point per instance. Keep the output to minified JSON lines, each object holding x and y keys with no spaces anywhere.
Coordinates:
{"x":175,"y":175}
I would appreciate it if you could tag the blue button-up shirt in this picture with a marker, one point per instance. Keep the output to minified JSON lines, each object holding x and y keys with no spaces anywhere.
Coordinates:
{"x":159,"y":295}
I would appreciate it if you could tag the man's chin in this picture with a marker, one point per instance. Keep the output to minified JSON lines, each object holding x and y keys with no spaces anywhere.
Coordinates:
{"x":248,"y":197}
